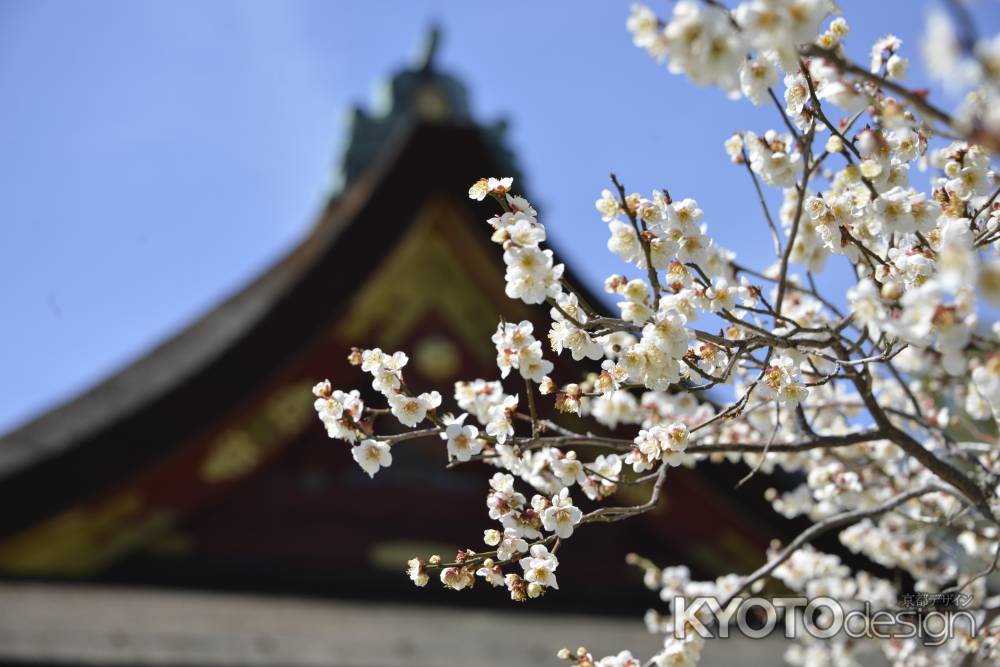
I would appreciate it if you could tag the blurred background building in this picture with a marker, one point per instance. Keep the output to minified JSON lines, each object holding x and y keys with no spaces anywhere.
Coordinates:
{"x":135,"y":512}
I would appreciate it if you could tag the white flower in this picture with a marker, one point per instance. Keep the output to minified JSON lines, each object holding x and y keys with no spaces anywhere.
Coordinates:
{"x":372,"y":455}
{"x":561,"y":517}
{"x":485,"y":186}
{"x":564,"y":466}
{"x":893,"y":210}
{"x":673,"y":442}
{"x":607,"y":205}
{"x":371,"y":360}
{"x":500,"y":184}
{"x":521,"y":205}
{"x":463,"y":441}
{"x":643,"y":25}
{"x":866,"y":304}
{"x":491,"y":573}
{"x":957,"y":260}
{"x":415,"y":569}
{"x":385,"y":369}
{"x":771,"y":156}
{"x":722,"y":295}
{"x":668,"y":333}
{"x":478,"y":397}
{"x":330,"y":408}
{"x":756,"y":76}
{"x":479,"y":190}
{"x":339,"y":411}
{"x":624,"y":242}
{"x":510,"y":545}
{"x":502,"y":498}
{"x":499,"y":425}
{"x":565,"y":336}
{"x":540,"y":566}
{"x":456,"y":578}
{"x":530,"y":363}
{"x":411,"y":410}
{"x":597,"y":478}
{"x":680,"y":652}
{"x":526,"y":233}
{"x":796,"y":93}
{"x":780,"y":382}
{"x":659,"y":443}
{"x":531,"y":275}
{"x":701,"y":42}
{"x":883,"y":45}
{"x":623,"y":659}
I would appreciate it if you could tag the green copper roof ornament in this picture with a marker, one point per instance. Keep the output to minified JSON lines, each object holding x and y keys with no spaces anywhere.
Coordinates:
{"x":420,"y":93}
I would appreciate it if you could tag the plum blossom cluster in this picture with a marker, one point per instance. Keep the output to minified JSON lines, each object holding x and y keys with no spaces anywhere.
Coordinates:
{"x":531,"y":274}
{"x":659,"y":443}
{"x":874,"y":406}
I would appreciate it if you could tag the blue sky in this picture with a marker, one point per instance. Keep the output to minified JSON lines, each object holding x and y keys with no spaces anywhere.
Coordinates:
{"x":160,"y":153}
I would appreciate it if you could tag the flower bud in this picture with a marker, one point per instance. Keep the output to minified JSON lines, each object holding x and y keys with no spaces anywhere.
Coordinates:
{"x":491,"y":537}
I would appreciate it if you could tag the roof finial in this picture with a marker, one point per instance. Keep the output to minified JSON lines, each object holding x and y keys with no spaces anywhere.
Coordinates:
{"x":432,"y":39}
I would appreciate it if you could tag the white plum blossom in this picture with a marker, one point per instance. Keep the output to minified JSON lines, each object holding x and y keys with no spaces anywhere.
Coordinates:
{"x":411,"y":410}
{"x":531,"y":274}
{"x":660,"y":443}
{"x":781,"y":382}
{"x":510,"y":545}
{"x":773,"y":157}
{"x":456,"y":578}
{"x":597,"y":479}
{"x":372,"y":455}
{"x":517,"y":348}
{"x":339,"y":411}
{"x":622,"y":659}
{"x":463,"y":440}
{"x":417,"y":571}
{"x":562,"y":516}
{"x":757,"y":75}
{"x":499,"y":425}
{"x":485,"y":186}
{"x":540,"y":566}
